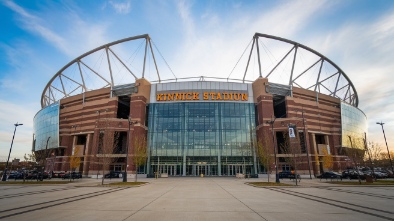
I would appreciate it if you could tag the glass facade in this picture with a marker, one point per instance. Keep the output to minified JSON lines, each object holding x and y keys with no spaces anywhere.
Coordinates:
{"x":354,"y":125}
{"x":45,"y":125}
{"x":193,"y":138}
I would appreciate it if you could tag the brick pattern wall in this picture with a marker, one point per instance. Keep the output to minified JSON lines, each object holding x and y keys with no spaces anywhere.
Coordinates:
{"x":86,"y":114}
{"x":322,"y":116}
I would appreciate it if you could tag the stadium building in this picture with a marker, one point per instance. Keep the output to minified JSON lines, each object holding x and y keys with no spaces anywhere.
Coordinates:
{"x":102,"y":109}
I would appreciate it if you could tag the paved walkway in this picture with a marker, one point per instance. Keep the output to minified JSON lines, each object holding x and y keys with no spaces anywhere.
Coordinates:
{"x":195,"y":198}
{"x":305,"y":182}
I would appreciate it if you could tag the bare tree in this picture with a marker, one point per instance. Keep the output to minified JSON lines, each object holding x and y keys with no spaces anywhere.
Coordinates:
{"x":384,"y":159}
{"x":264,"y":155}
{"x":327,"y":159}
{"x":35,"y":158}
{"x":30,"y":157}
{"x":28,"y":163}
{"x":317,"y":162}
{"x":356,"y":152}
{"x":292,"y":148}
{"x":40,"y":156}
{"x":107,"y":149}
{"x":373,"y":154}
{"x":140,"y":153}
{"x":375,"y":151}
{"x":75,"y":160}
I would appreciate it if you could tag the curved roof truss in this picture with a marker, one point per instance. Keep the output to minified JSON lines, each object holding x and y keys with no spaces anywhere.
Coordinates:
{"x":57,"y":88}
{"x":110,"y":65}
{"x":335,"y":83}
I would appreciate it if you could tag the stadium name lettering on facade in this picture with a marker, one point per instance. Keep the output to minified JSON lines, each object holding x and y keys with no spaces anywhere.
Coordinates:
{"x":189,"y":96}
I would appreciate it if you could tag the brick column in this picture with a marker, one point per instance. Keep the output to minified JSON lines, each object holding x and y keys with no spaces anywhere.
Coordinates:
{"x":93,"y":160}
{"x":138,"y":129}
{"x":265,"y":108}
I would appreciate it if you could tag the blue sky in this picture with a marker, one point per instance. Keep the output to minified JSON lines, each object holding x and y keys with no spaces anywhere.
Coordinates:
{"x":196,"y":38}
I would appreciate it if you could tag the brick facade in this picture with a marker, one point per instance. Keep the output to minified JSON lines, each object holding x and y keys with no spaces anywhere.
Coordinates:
{"x":83,"y":117}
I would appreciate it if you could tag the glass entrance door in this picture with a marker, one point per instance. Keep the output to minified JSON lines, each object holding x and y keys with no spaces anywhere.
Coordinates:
{"x":233,"y":169}
{"x":170,"y":169}
{"x":201,"y":170}
{"x":205,"y":169}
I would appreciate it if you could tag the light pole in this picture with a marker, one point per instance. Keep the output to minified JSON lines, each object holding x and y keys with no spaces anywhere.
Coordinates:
{"x":369,"y":154}
{"x":127,"y":150}
{"x":388,"y":152}
{"x":6,"y":166}
{"x":354,"y":158}
{"x":293,"y":150}
{"x":244,"y":170}
{"x":347,"y":165}
{"x":98,"y":126}
{"x":46,"y":152}
{"x":53,"y":163}
{"x":271,"y":122}
{"x":75,"y":129}
{"x":306,"y":145}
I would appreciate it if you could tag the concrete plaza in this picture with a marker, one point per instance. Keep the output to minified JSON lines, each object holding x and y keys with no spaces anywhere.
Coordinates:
{"x":195,"y":198}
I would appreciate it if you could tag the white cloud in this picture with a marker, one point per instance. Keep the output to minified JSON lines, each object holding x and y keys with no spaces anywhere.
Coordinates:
{"x":11,"y":113}
{"x":73,"y":38}
{"x":213,"y":44}
{"x":83,"y":35}
{"x":364,"y":51}
{"x":36,"y":25}
{"x":24,"y":61}
{"x":382,"y":33}
{"x":184,"y":8}
{"x":285,"y":20}
{"x":121,"y":8}
{"x":27,"y":62}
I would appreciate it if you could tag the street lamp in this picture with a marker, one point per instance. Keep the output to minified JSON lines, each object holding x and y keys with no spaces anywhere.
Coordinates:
{"x":306,"y":145}
{"x":46,"y":152}
{"x":53,"y":163}
{"x":347,"y":163}
{"x":271,"y":122}
{"x":127,"y":150}
{"x":6,"y":166}
{"x":72,"y":148}
{"x":388,"y":152}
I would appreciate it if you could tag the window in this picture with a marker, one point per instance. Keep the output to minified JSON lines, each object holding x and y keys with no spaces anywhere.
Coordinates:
{"x":123,"y":107}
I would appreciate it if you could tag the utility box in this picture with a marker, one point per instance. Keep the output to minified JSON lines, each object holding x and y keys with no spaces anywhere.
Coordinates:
{"x":368,"y":179}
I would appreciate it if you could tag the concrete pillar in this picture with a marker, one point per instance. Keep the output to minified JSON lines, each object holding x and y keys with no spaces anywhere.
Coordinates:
{"x":86,"y":161}
{"x":327,"y":142}
{"x":219,"y":166}
{"x":316,"y":165}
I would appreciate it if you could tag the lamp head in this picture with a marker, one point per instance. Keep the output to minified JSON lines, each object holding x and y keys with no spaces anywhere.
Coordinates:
{"x":18,"y":124}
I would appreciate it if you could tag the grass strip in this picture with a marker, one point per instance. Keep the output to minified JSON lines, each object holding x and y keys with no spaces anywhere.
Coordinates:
{"x":363,"y":183}
{"x":33,"y":182}
{"x":268,"y":184}
{"x":126,"y":184}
